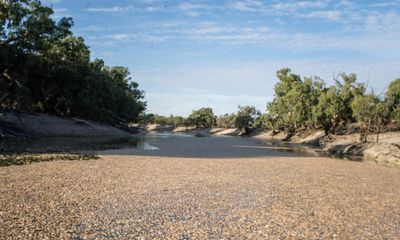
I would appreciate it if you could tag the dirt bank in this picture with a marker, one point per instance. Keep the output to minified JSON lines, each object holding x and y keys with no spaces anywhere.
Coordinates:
{"x":385,"y":152}
{"x":42,"y":125}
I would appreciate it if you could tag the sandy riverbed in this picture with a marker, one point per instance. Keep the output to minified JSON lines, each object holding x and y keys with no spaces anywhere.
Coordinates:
{"x":200,"y":188}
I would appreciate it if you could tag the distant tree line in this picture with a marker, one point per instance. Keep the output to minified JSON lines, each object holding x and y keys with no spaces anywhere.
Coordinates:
{"x":45,"y":68}
{"x":308,"y":103}
{"x":246,"y":118}
{"x":201,"y":118}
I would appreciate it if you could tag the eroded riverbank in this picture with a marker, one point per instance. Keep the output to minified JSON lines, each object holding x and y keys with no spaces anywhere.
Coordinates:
{"x":314,"y":142}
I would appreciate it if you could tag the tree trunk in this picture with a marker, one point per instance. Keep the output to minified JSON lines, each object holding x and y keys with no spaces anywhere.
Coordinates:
{"x":367,"y":130}
{"x":378,"y":131}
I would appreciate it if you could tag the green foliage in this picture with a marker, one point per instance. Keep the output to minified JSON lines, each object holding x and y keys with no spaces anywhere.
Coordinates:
{"x":226,"y":121}
{"x":170,"y":120}
{"x":310,"y":103}
{"x":261,"y":121}
{"x":334,"y":103}
{"x":326,"y":113}
{"x":163,"y":120}
{"x":370,"y":109}
{"x":146,"y":118}
{"x":294,"y":98}
{"x":178,"y":121}
{"x":202,"y":118}
{"x":347,"y":92}
{"x":393,"y":94}
{"x":45,"y":68}
{"x":246,"y":117}
{"x":371,"y":112}
{"x":393,"y":100}
{"x":270,"y":121}
{"x":395,"y":114}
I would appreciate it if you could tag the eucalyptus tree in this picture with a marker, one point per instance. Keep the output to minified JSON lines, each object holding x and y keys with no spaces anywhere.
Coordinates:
{"x":392,"y":97}
{"x":226,"y":121}
{"x":26,"y":31}
{"x":294,"y":99}
{"x":45,"y":68}
{"x":326,"y":113}
{"x":246,"y":117}
{"x":371,"y":112}
{"x":202,"y":118}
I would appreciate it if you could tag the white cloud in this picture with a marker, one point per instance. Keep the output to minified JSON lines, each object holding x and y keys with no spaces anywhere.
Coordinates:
{"x":385,"y":4}
{"x":296,"y":5}
{"x":218,"y":33}
{"x":277,"y":7}
{"x":345,"y":3}
{"x":114,"y":39}
{"x":51,"y":1}
{"x":383,"y":23}
{"x":60,"y":10}
{"x":120,"y":37}
{"x":247,"y":5}
{"x":327,"y":15}
{"x":153,"y":9}
{"x":150,"y":1}
{"x":109,"y":9}
{"x":294,"y":9}
{"x":204,"y":28}
{"x":193,"y":10}
{"x":377,"y":35}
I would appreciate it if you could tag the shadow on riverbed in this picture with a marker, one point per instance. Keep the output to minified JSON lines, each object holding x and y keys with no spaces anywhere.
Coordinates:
{"x":72,"y":144}
{"x":27,"y":151}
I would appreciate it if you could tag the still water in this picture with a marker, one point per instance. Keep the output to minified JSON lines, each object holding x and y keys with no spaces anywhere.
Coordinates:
{"x":160,"y":142}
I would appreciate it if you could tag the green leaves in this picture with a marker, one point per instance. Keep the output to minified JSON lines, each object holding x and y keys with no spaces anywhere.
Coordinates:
{"x":45,"y":68}
{"x":203,"y":118}
{"x":226,"y":121}
{"x":246,"y":117}
{"x":309,"y":103}
{"x":393,"y":94}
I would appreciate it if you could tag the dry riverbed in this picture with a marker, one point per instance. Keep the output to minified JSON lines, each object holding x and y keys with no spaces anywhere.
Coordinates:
{"x":200,"y":188}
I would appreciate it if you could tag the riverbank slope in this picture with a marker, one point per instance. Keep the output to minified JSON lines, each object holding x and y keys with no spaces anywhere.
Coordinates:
{"x":25,"y":125}
{"x":385,"y":152}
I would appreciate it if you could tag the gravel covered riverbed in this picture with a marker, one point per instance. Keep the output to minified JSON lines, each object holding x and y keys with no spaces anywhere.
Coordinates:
{"x":209,"y":188}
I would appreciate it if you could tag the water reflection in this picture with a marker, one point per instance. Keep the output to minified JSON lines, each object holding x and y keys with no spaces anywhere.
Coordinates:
{"x":73,"y":144}
{"x":305,"y":150}
{"x":165,"y":135}
{"x":148,"y":142}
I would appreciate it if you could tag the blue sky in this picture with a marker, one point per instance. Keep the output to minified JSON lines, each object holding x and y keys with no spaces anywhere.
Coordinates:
{"x":221,"y":54}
